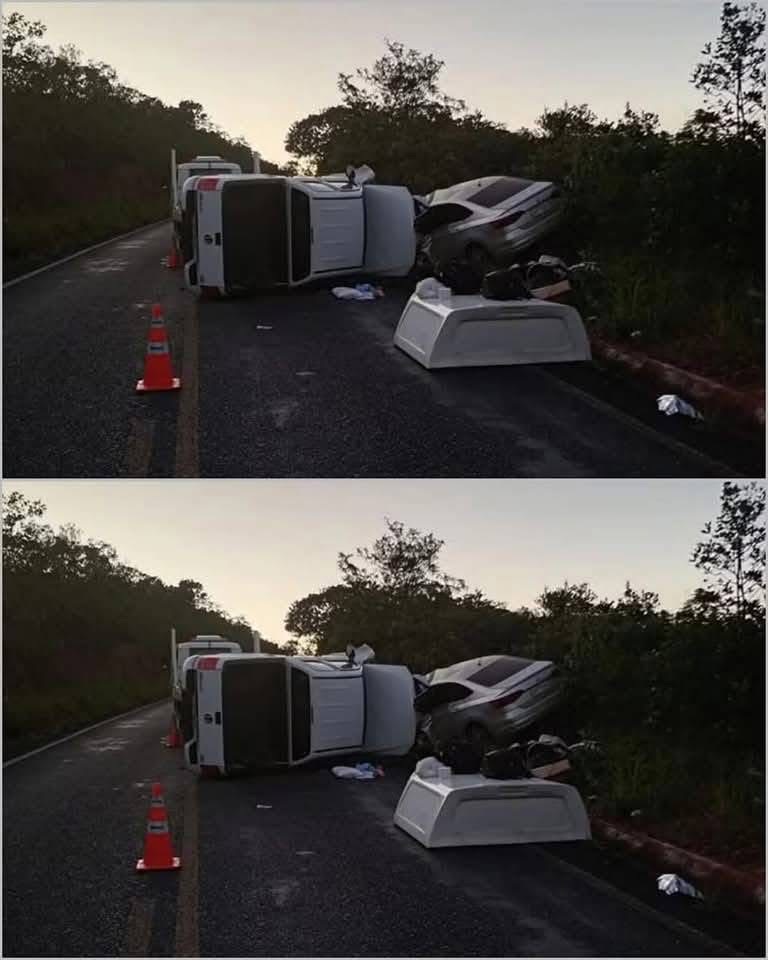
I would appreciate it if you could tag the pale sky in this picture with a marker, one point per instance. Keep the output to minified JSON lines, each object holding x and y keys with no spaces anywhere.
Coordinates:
{"x":257,"y":545}
{"x":258,"y":65}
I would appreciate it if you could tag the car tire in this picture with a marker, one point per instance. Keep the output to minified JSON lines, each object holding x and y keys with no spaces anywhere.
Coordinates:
{"x":479,"y":260}
{"x":479,"y":739}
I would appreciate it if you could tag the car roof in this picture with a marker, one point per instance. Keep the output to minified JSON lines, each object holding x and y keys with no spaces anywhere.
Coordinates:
{"x":486,"y":193}
{"x":459,"y":191}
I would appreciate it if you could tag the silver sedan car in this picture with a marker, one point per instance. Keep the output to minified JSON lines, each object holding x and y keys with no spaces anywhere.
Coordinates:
{"x":488,"y":700}
{"x":486,"y":222}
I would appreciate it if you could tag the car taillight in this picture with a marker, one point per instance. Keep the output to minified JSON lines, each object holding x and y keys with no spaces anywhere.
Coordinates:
{"x":505,"y":701}
{"x":207,"y":183}
{"x":506,"y":220}
{"x":207,"y":663}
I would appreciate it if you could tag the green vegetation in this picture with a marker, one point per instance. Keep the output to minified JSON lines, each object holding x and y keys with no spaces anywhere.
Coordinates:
{"x":676,"y":220}
{"x":86,"y":157}
{"x":84,"y":635}
{"x":676,"y":699}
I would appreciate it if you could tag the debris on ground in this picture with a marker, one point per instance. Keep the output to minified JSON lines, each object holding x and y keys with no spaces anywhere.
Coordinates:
{"x":361,"y":291}
{"x":428,"y":768}
{"x":670,"y":883}
{"x":670,"y":404}
{"x":360,"y":771}
{"x":431,"y":289}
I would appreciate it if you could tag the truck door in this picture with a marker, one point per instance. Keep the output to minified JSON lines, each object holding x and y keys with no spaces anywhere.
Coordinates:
{"x":210,"y":742}
{"x":337,"y":712}
{"x":390,"y":719}
{"x":208,"y":251}
{"x":390,"y":239}
{"x":338,"y":232}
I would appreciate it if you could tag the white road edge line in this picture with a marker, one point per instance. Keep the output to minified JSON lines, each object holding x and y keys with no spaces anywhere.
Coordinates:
{"x":79,"y":733}
{"x":80,"y":253}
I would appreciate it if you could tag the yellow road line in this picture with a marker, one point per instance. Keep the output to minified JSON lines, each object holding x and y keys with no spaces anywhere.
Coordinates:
{"x":139,"y":453}
{"x":187,"y":456}
{"x":138,"y":928}
{"x":187,"y":933}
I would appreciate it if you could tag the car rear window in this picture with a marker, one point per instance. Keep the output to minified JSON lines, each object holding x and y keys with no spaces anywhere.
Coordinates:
{"x":499,"y":670}
{"x":499,"y":191}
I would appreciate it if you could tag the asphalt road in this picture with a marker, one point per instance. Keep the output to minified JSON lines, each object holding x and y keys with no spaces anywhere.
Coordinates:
{"x":300,"y":384}
{"x":301,"y":864}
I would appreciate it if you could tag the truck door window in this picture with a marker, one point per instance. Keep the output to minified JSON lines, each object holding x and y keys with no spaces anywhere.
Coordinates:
{"x":300,"y":234}
{"x":300,"y":714}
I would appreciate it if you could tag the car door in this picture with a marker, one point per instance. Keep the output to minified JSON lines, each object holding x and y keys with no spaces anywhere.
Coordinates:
{"x":337,"y":711}
{"x":337,"y":232}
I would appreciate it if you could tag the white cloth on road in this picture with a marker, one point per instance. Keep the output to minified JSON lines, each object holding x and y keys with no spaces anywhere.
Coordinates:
{"x":362,"y":291}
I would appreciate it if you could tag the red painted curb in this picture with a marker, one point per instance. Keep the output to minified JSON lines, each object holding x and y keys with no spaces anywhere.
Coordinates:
{"x":710,"y":874}
{"x":746,"y":406}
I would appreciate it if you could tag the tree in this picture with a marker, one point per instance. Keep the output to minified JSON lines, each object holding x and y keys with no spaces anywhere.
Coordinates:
{"x":403,"y":82}
{"x":732,"y":555}
{"x":571,"y":599}
{"x":732,"y":75}
{"x":394,"y":116}
{"x":395,"y":596}
{"x":85,"y":635}
{"x":401,"y":561}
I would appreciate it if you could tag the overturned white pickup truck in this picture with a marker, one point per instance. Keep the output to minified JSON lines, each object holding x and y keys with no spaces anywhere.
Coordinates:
{"x":246,"y":711}
{"x":256,"y":231}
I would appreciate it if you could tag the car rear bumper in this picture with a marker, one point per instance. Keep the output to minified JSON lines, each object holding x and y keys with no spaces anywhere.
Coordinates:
{"x":515,"y":241}
{"x":515,"y":720}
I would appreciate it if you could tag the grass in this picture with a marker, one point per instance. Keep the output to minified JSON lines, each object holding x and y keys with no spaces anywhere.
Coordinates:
{"x":691,"y":796}
{"x":31,"y":718}
{"x":32,"y":239}
{"x":689,"y":317}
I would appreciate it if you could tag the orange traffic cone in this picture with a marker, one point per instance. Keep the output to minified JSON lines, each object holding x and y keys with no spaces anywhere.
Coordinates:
{"x":158,"y":372}
{"x":174,"y":260}
{"x":158,"y":853}
{"x":174,"y":735}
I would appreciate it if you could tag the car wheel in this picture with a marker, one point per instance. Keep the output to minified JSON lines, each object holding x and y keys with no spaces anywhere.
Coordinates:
{"x":479,"y":738}
{"x":479,"y":260}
